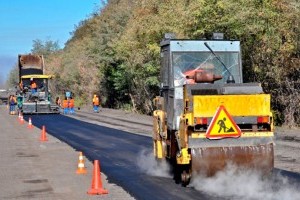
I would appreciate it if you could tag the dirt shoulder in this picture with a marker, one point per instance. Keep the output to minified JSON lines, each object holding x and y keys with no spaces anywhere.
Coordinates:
{"x":287,"y":149}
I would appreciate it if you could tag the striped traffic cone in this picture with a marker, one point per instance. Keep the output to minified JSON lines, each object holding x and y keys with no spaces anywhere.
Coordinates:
{"x":22,"y":120}
{"x":29,"y":123}
{"x":19,"y":117}
{"x":81,"y":168}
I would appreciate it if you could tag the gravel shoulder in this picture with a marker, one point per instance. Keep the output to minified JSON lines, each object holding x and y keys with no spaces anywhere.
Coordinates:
{"x":287,"y":149}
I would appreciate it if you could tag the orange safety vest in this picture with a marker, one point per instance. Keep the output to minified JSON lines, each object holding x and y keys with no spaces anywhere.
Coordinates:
{"x":65,"y":103}
{"x":71,"y":103}
{"x":96,"y":101}
{"x":33,"y":85}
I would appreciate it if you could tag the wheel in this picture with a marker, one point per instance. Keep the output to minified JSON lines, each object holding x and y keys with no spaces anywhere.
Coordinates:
{"x":185,"y":178}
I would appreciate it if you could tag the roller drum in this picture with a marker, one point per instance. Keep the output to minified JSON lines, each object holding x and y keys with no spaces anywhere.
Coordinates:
{"x":209,"y":160}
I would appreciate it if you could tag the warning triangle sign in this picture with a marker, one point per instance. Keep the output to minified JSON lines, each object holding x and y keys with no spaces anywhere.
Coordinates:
{"x":222,"y":125}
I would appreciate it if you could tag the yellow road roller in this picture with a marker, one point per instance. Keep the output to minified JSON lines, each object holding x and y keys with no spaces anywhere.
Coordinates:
{"x":206,"y":117}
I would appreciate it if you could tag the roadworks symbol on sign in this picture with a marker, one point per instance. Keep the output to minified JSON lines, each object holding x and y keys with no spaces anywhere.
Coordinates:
{"x":222,"y":125}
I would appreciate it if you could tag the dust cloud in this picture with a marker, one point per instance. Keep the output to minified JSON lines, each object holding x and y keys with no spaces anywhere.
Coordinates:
{"x":233,"y":183}
{"x":149,"y":165}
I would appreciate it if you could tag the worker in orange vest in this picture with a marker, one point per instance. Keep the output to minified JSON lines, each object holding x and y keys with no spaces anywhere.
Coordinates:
{"x":71,"y":105}
{"x":96,"y":103}
{"x":65,"y":106}
{"x":12,"y":104}
{"x":33,"y":86}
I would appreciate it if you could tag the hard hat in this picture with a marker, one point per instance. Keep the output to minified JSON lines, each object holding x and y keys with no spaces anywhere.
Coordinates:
{"x":31,"y":79}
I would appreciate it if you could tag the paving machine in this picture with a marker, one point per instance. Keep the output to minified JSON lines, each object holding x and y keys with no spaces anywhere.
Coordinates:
{"x":34,"y":100}
{"x":206,"y":117}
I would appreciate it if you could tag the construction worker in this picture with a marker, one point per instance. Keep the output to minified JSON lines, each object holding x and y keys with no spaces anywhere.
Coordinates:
{"x":96,"y":103}
{"x":65,"y":106}
{"x":58,"y":101}
{"x":12,"y":104}
{"x":33,"y":86}
{"x":71,"y":105}
{"x":19,"y":103}
{"x":49,"y":96}
{"x":21,"y":85}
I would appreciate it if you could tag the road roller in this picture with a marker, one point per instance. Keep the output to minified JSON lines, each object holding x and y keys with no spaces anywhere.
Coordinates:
{"x":205,"y":116}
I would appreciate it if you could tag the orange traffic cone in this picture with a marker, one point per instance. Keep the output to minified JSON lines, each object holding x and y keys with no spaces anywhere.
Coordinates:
{"x":21,"y":120}
{"x":81,"y":168}
{"x":96,"y":182}
{"x":44,"y":135}
{"x":29,"y":123}
{"x":19,"y":116}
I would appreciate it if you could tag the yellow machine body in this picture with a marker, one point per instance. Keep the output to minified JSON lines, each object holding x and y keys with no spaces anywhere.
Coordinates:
{"x":252,"y":149}
{"x":236,"y":105}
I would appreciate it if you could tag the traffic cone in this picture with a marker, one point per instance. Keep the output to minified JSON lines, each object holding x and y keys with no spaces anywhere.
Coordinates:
{"x":96,"y":182}
{"x":81,"y":168}
{"x":44,"y":135}
{"x":29,"y":123}
{"x":22,"y":120}
{"x":19,"y":117}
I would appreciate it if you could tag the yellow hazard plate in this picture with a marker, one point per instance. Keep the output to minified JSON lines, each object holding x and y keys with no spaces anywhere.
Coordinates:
{"x":222,"y":125}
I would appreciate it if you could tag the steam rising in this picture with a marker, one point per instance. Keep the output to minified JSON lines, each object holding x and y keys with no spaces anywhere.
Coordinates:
{"x":233,"y":183}
{"x":149,"y":165}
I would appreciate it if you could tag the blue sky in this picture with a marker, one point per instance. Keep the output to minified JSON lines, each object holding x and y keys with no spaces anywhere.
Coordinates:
{"x":22,"y":21}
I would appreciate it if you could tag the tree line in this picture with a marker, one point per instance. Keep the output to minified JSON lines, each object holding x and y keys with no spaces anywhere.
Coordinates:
{"x":115,"y":52}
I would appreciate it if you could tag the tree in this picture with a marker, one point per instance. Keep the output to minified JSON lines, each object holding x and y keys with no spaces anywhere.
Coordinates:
{"x":2,"y":81}
{"x":44,"y":48}
{"x":13,"y":78}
